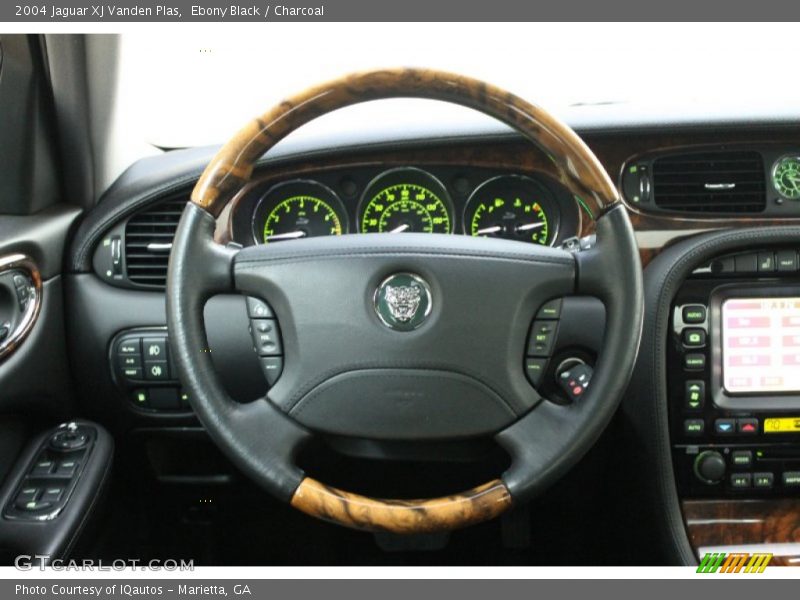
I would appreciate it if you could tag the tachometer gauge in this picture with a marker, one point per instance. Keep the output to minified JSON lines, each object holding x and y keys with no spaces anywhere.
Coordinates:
{"x":512,"y":207}
{"x":403,"y":201}
{"x":298,"y":209}
{"x":786,"y":177}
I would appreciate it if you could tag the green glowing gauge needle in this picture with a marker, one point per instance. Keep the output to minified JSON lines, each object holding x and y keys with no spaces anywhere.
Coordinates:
{"x":289,"y":235}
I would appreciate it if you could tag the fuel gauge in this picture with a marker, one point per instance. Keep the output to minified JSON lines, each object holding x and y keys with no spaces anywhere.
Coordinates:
{"x":512,"y":207}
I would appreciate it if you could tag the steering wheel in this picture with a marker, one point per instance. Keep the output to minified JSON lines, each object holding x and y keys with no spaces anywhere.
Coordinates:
{"x":445,"y":362}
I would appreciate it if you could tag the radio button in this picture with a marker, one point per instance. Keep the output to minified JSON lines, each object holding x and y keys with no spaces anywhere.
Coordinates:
{"x":742,"y":458}
{"x":709,"y":467}
{"x":763,"y":480}
{"x":694,"y":338}
{"x":694,"y":314}
{"x":695,"y":395}
{"x":791,"y":479}
{"x":725,"y":426}
{"x":741,"y":480}
{"x":694,"y":362}
{"x":747,"y":426}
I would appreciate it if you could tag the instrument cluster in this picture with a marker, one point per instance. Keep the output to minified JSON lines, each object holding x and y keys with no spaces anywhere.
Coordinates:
{"x":477,"y":201}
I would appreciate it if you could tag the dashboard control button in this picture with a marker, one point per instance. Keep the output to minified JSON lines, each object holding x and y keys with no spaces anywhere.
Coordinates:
{"x":156,"y":370}
{"x":694,"y":362}
{"x":272,"y":367}
{"x":747,"y":426}
{"x":258,"y":309}
{"x":725,"y":426}
{"x":741,"y":480}
{"x":534,"y":370}
{"x":266,"y":337}
{"x":746,"y":263}
{"x":129,"y":346}
{"x":766,"y":262}
{"x":786,"y":260}
{"x":543,"y":334}
{"x":694,"y":337}
{"x":709,"y":467}
{"x":694,"y":427}
{"x":791,"y":479}
{"x":742,"y":458}
{"x":129,"y":361}
{"x":154,"y":349}
{"x":132,"y":373}
{"x":550,"y":310}
{"x":694,"y":314}
{"x":763,"y":480}
{"x":695,"y":394}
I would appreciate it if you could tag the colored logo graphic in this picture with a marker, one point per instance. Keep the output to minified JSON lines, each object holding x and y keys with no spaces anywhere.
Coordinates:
{"x":735,"y":562}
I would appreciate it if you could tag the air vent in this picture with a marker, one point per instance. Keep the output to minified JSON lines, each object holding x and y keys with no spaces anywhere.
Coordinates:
{"x":148,"y":241}
{"x":710,"y":182}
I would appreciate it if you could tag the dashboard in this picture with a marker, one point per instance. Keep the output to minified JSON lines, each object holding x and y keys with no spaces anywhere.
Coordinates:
{"x":444,"y":199}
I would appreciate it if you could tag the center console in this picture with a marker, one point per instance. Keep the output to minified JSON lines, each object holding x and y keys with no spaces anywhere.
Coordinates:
{"x":733,"y":360}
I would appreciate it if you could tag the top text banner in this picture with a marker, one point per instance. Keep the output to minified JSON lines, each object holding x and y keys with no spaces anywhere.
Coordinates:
{"x":32,"y":11}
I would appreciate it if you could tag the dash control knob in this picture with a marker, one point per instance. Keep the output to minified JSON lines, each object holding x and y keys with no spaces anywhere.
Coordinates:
{"x":709,"y":467}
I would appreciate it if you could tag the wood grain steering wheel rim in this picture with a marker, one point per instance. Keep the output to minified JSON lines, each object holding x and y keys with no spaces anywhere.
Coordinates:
{"x":233,"y":165}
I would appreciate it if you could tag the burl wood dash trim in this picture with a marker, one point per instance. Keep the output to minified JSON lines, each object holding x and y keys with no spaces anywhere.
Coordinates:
{"x":479,"y":504}
{"x":769,"y":525}
{"x":232,"y":167}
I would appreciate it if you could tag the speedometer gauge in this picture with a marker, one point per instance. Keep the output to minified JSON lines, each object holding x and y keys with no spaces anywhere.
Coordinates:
{"x":298,"y":209}
{"x":403,"y":201}
{"x":512,"y":207}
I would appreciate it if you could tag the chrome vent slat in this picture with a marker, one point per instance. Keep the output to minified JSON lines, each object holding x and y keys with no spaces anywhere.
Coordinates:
{"x":710,"y":182}
{"x":147,"y":236}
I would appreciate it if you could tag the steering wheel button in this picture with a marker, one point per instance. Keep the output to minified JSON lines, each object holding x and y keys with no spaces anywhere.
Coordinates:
{"x":272,"y":367}
{"x":542,"y":338}
{"x":129,"y":347}
{"x":154,"y":348}
{"x":258,"y":309}
{"x":534,"y":369}
{"x":550,"y":310}
{"x":156,"y":370}
{"x":129,"y":361}
{"x":266,"y":337}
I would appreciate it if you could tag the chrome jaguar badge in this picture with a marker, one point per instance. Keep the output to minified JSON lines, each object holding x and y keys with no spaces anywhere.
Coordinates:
{"x":403,"y":301}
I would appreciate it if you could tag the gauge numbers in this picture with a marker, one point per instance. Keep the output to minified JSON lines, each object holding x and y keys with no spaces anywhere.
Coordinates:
{"x":298,"y":209}
{"x":405,"y":201}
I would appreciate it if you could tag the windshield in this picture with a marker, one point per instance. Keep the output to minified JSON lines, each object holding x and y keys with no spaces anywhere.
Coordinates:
{"x":199,"y":87}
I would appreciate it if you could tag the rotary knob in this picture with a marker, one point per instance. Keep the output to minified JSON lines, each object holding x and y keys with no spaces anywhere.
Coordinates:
{"x":709,"y":467}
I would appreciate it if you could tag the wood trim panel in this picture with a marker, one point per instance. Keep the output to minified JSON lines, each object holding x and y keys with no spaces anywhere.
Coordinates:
{"x":771,"y":525}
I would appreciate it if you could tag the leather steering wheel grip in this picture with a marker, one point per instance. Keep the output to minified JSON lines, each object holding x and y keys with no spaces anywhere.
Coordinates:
{"x":432,"y":515}
{"x":262,"y":440}
{"x":232,"y":167}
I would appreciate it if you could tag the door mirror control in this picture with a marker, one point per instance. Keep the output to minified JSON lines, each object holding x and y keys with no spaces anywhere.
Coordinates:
{"x":52,"y":475}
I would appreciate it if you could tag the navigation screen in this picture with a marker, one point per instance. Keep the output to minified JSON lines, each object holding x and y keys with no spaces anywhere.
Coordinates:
{"x":761,"y":345}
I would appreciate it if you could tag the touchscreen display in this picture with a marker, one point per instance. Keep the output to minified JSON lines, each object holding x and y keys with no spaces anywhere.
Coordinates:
{"x":761,"y":345}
